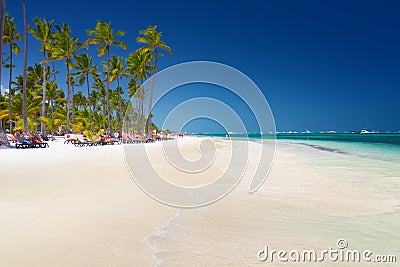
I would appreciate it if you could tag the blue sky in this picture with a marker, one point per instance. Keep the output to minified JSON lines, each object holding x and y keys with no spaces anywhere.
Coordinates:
{"x":322,"y":65}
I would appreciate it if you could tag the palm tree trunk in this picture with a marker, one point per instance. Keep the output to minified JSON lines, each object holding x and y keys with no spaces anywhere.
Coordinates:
{"x":10,"y":91}
{"x":141,"y":109}
{"x":144,"y":112}
{"x":72,"y":100}
{"x":142,"y":96}
{"x":103,"y":107}
{"x":24,"y":115}
{"x":148,"y":123}
{"x":42,"y":127}
{"x":148,"y":120}
{"x":52,"y":108}
{"x":69,"y":97}
{"x":135,"y":116}
{"x":3,"y":137}
{"x":120,"y":106}
{"x":90,"y":107}
{"x":2,"y":18}
{"x":107,"y":91}
{"x":103,"y":110}
{"x":53,"y":70}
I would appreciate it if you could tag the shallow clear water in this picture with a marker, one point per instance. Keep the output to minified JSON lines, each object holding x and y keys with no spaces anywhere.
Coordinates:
{"x":381,"y":138}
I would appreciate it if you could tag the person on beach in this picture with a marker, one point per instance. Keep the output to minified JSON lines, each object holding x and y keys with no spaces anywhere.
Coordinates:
{"x":43,"y":137}
{"x":21,"y":138}
{"x":36,"y":138}
{"x":85,"y":138}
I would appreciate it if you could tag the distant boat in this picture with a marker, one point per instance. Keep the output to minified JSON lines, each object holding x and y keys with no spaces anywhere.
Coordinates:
{"x":365,"y":132}
{"x":331,"y":132}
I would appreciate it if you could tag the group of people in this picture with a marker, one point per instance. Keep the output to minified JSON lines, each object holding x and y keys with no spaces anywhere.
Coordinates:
{"x":25,"y":138}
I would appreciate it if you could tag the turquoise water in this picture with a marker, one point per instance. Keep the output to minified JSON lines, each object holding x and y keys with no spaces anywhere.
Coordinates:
{"x":381,"y":138}
{"x":383,"y":145}
{"x":382,"y":148}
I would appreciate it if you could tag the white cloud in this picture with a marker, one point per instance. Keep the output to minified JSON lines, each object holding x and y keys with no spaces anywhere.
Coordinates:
{"x":3,"y":90}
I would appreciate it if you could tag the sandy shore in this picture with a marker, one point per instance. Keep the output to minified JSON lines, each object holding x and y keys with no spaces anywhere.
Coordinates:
{"x":67,"y":206}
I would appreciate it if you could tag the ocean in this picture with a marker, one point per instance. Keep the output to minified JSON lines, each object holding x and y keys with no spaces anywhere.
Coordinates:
{"x":373,"y":138}
{"x":384,"y":146}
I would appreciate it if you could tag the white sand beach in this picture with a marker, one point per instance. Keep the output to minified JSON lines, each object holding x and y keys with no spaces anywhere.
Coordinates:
{"x":68,"y":206}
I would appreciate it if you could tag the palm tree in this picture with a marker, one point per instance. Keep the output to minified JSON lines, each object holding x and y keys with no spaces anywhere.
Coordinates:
{"x":3,"y":137}
{"x":82,"y":115}
{"x":32,"y":109}
{"x":80,"y":100}
{"x":117,"y":104}
{"x":95,"y":99}
{"x":65,"y":48}
{"x":24,"y":115}
{"x":85,"y":69}
{"x":118,"y":71}
{"x":139,"y":67}
{"x":52,"y":124}
{"x":100,"y":94}
{"x":152,"y":42}
{"x":72,"y":82}
{"x":49,"y":50}
{"x":11,"y":35}
{"x":133,"y":89}
{"x":35,"y":77}
{"x":54,"y":95}
{"x":104,"y":36}
{"x":2,"y":19}
{"x":43,"y":34}
{"x":99,"y":121}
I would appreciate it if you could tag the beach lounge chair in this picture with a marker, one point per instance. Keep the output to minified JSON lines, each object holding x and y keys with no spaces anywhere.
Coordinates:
{"x":84,"y":142}
{"x":112,"y":141}
{"x":70,"y":139}
{"x":41,"y":145}
{"x":24,"y":144}
{"x":125,"y":139}
{"x":12,"y":139}
{"x":145,"y":139}
{"x":135,"y":140}
{"x":37,"y":141}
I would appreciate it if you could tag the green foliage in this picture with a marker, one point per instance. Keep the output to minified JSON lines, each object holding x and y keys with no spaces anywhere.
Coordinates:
{"x":64,"y":46}
{"x":19,"y":124}
{"x":93,"y":137}
{"x":52,"y":124}
{"x":104,"y":36}
{"x":103,"y":103}
{"x":154,"y":127}
{"x":11,"y":35}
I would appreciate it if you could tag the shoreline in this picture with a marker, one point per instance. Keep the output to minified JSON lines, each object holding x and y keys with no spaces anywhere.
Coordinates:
{"x":160,"y":233}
